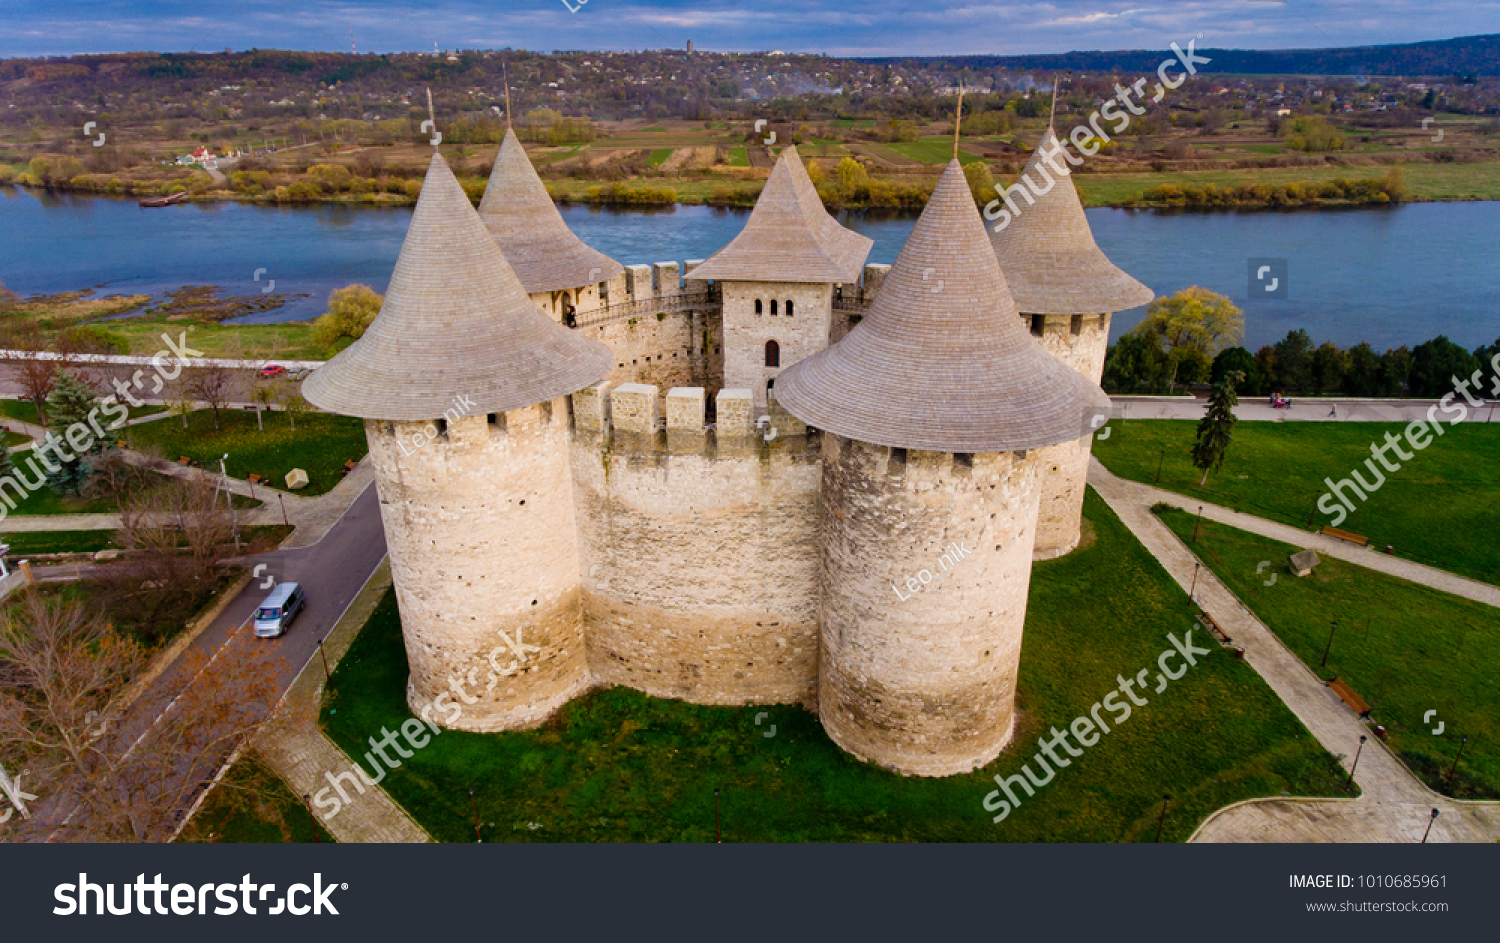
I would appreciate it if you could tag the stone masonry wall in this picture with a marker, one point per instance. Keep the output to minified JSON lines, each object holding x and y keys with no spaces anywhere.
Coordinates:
{"x":920,"y":651}
{"x":745,"y":333}
{"x":485,"y":564}
{"x":698,"y":550}
{"x":1066,"y":466}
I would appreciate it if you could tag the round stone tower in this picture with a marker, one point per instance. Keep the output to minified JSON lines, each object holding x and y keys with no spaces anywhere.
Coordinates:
{"x":1065,"y":289}
{"x":933,"y":408}
{"x":460,"y":381}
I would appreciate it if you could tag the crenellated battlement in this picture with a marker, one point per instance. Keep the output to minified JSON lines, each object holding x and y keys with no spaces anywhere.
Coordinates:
{"x":636,"y":416}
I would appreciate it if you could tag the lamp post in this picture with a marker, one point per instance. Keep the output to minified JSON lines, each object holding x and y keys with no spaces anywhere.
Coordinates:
{"x":474,"y":808}
{"x":1327,"y":648}
{"x":229,"y":497}
{"x":1454,"y":769}
{"x":1163,"y":820}
{"x":1355,"y":765}
{"x":1195,"y":580}
{"x":307,"y":801}
{"x":1429,"y":826}
{"x":718,"y":835}
{"x":1159,"y":461}
{"x":328,"y":675}
{"x":1197,"y":522}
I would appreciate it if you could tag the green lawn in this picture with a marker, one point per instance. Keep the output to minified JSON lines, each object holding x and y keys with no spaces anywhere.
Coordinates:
{"x":25,"y":411}
{"x":58,"y":541}
{"x":287,"y":340}
{"x":1406,"y":649}
{"x":738,"y":157}
{"x":660,"y":156}
{"x":253,"y":805}
{"x":934,"y":150}
{"x":1424,"y":181}
{"x":321,"y":444}
{"x":10,"y":439}
{"x":1440,"y":509}
{"x":620,"y":766}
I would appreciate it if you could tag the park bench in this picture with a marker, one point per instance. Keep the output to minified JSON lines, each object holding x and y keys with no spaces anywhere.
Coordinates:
{"x":1346,"y":535}
{"x":1353,"y":700}
{"x":1212,"y":626}
{"x":255,"y":479}
{"x":184,"y":460}
{"x":350,"y":465}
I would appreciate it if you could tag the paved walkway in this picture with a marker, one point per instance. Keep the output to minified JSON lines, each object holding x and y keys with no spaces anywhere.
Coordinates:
{"x":292,"y":743}
{"x":1303,"y":410}
{"x":1393,"y":806}
{"x":1366,"y":557}
{"x":310,"y":516}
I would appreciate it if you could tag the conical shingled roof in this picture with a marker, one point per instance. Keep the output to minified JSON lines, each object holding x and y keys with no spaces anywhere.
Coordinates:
{"x":531,"y":232}
{"x":455,"y":323}
{"x":789,"y":237}
{"x":1048,"y":252}
{"x":942,"y":362}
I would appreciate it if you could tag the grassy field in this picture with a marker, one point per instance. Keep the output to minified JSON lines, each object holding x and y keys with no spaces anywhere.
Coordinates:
{"x":321,"y":444}
{"x":58,"y":541}
{"x":1424,"y":181}
{"x":660,"y":156}
{"x":253,"y":805}
{"x":25,"y":411}
{"x":934,"y":150}
{"x":290,"y":340}
{"x":620,"y":766}
{"x":739,"y":157}
{"x":1404,"y":648}
{"x":1442,"y":508}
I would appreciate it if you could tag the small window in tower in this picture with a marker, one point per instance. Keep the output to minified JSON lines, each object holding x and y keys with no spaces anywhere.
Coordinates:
{"x":963,"y":460}
{"x":1077,"y":325}
{"x":773,"y":306}
{"x":789,"y":307}
{"x":770,"y":385}
{"x":1102,"y":319}
{"x":442,"y":426}
{"x":604,"y":292}
{"x":757,"y":306}
{"x":773,"y":353}
{"x":1038,"y":324}
{"x":898,"y":462}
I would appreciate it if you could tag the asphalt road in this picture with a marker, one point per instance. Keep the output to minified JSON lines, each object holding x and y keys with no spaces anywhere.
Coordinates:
{"x":331,"y":571}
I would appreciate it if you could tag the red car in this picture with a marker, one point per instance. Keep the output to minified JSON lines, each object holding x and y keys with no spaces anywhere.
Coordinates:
{"x":272,"y":370}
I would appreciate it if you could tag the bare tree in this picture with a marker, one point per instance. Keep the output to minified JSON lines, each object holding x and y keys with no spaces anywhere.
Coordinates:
{"x":21,"y":341}
{"x":263,"y":396}
{"x":211,"y":383}
{"x":123,"y":774}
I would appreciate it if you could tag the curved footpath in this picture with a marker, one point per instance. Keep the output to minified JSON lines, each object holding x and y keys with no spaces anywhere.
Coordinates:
{"x":1394,"y":806}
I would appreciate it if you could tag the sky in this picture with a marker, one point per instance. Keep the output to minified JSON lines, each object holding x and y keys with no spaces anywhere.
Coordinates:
{"x":836,"y":27}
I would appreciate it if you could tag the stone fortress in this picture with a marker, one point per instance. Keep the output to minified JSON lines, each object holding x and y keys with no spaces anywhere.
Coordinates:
{"x":781,"y":476}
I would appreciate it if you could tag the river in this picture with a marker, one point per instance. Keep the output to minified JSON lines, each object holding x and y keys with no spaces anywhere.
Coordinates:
{"x":1390,"y":276}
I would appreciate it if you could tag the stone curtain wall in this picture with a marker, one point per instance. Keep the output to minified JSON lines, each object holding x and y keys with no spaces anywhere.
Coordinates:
{"x":483,"y":556}
{"x":698,"y":548}
{"x":1065,"y":467}
{"x":923,"y":684}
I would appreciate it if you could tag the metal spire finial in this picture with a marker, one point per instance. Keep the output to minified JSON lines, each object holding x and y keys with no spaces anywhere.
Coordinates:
{"x":957,"y":118}
{"x":505,"y":77}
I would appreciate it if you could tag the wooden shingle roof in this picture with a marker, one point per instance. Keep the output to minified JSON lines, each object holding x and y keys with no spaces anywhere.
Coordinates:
{"x":789,"y":237}
{"x":456,"y":328}
{"x":531,"y":232}
{"x":1048,"y":252}
{"x":941,"y":361}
